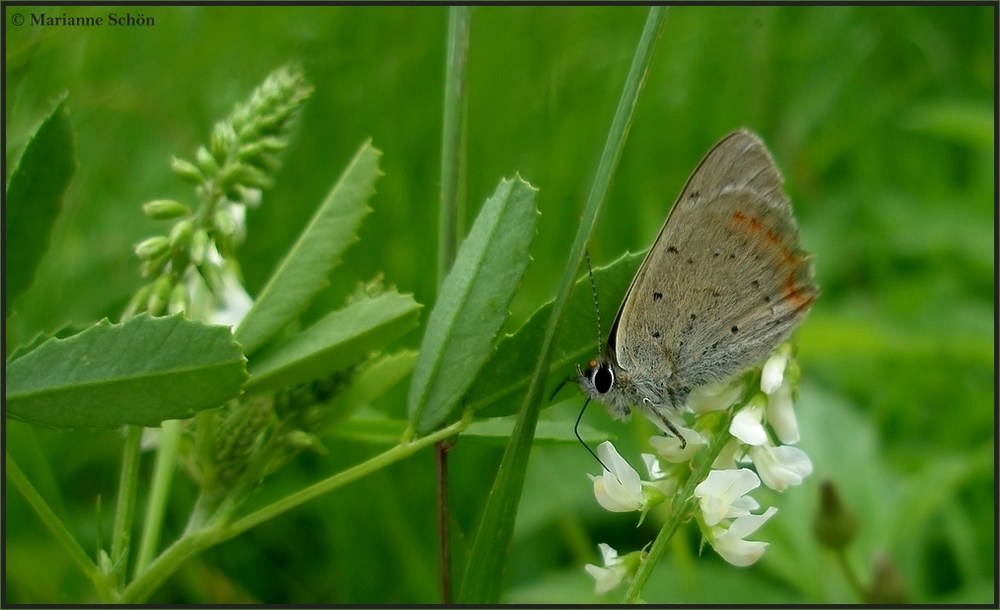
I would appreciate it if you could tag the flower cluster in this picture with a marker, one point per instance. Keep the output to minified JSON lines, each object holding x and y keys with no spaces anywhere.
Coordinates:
{"x":194,"y":265}
{"x":757,"y":449}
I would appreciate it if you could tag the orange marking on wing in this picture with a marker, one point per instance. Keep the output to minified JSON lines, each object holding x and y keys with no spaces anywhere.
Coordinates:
{"x":755,"y":225}
{"x":739,"y":217}
{"x":770,"y":237}
{"x":799,"y":298}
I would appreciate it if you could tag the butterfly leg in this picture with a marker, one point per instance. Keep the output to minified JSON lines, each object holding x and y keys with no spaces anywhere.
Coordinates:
{"x":658,"y":413}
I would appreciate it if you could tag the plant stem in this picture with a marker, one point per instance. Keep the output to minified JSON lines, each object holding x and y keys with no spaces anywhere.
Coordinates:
{"x":449,"y":228}
{"x":849,"y":573}
{"x":59,"y":530}
{"x":684,"y":504}
{"x":444,"y":539}
{"x":451,"y":139}
{"x":156,"y":506}
{"x":125,"y":506}
{"x":194,"y":541}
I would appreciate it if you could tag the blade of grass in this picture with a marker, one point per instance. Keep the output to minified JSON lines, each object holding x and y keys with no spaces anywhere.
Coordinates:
{"x":448,"y":233}
{"x":484,"y":575}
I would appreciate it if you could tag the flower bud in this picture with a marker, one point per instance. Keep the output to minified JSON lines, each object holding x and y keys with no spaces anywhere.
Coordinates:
{"x":137,"y":304}
{"x":180,"y":234}
{"x":213,"y":277}
{"x":229,"y":174}
{"x":178,"y":299}
{"x":887,"y":586}
{"x":835,"y":525}
{"x":273,"y":144}
{"x":222,"y":141}
{"x":251,"y":176}
{"x":165,"y":209}
{"x":199,"y":246}
{"x":209,"y":166}
{"x":159,"y":296}
{"x":224,"y":222}
{"x":152,"y":248}
{"x":187,"y":171}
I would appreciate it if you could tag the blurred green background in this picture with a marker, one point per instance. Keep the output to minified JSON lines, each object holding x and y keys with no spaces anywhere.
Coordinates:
{"x":881,"y":118}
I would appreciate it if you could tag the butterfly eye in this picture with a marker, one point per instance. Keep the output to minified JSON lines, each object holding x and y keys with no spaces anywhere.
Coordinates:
{"x":603,"y":378}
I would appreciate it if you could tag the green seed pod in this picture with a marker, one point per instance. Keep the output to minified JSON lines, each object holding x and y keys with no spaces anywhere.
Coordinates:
{"x":160,"y":295}
{"x":153,"y":247}
{"x":209,"y":166}
{"x":178,"y":299}
{"x":186,"y":170}
{"x":165,"y":209}
{"x":199,"y":246}
{"x":181,"y":233}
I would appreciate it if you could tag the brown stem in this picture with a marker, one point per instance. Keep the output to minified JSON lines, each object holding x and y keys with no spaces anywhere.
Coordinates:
{"x":441,"y":449}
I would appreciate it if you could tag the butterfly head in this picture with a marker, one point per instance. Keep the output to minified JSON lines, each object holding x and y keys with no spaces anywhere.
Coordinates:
{"x":598,"y":382}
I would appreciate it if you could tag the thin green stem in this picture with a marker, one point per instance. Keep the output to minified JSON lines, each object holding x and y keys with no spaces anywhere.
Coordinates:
{"x":684,"y":506}
{"x":59,"y":530}
{"x":156,"y":507}
{"x":195,"y":541}
{"x":451,"y":138}
{"x":849,"y":573}
{"x":491,"y":547}
{"x":125,"y":507}
{"x":452,"y":168}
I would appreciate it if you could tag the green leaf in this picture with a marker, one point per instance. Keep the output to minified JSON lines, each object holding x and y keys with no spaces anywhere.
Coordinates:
{"x":472,"y":305}
{"x":499,"y":388}
{"x":34,"y":198}
{"x":338,"y":340}
{"x":306,"y":268}
{"x":376,"y":378}
{"x":140,"y":372}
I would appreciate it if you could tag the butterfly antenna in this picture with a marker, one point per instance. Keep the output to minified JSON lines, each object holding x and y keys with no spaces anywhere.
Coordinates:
{"x":597,"y":307}
{"x":576,"y":431}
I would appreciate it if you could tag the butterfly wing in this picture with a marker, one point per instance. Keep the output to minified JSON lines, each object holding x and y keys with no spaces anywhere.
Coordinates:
{"x":724,"y":282}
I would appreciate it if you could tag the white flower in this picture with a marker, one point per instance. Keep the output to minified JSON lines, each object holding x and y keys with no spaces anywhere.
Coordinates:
{"x":781,"y":467}
{"x":615,"y":570}
{"x":658,"y":477}
{"x":234,"y":302}
{"x":773,"y":373}
{"x":619,"y":488}
{"x":669,"y":446}
{"x":747,"y":423}
{"x":781,"y":415}
{"x":653,"y":466}
{"x":731,"y":452}
{"x":729,"y":542}
{"x":723,"y":494}
{"x":715,"y":397}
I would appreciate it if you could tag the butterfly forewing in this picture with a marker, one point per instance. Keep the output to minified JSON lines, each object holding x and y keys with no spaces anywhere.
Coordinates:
{"x":725,"y":281}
